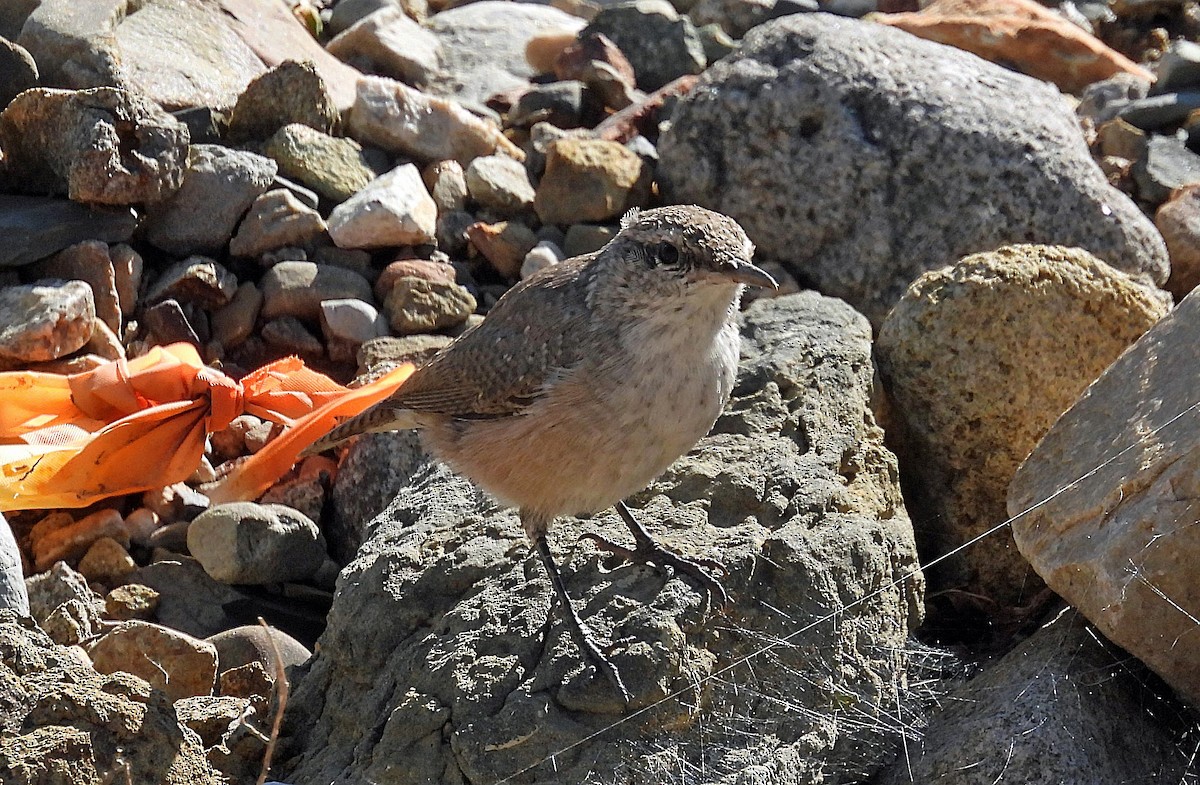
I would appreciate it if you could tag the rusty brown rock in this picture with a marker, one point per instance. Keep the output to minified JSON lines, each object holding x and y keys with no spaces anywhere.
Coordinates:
{"x":1019,"y":33}
{"x":177,"y":664}
{"x":1179,"y":221}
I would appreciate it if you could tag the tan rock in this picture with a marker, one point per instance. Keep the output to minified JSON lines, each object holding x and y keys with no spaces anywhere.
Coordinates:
{"x":106,"y":561}
{"x":276,"y":219}
{"x":131,"y":601}
{"x":590,"y":180}
{"x":1179,"y":221}
{"x":1109,"y":501}
{"x":503,"y":244}
{"x":544,"y":48}
{"x":58,"y":536}
{"x":416,"y":268}
{"x":89,"y":262}
{"x":979,"y":359}
{"x":415,"y":305}
{"x":177,"y":664}
{"x":1021,"y":34}
{"x":400,"y":119}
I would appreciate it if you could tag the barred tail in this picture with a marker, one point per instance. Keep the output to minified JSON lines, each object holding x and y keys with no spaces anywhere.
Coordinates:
{"x":377,"y":419}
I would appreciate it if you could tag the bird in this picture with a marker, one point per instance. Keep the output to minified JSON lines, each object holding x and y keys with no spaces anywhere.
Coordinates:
{"x":585,"y":381}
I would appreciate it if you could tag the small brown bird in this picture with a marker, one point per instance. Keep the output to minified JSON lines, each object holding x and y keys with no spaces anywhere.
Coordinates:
{"x":587,"y":380}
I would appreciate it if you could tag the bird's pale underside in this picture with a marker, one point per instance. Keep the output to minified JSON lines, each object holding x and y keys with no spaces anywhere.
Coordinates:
{"x":587,"y":380}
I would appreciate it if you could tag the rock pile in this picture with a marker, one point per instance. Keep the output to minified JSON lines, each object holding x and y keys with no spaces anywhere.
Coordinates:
{"x":356,"y":182}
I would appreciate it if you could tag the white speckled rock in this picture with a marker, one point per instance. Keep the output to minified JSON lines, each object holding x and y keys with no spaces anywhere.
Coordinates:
{"x":393,"y":209}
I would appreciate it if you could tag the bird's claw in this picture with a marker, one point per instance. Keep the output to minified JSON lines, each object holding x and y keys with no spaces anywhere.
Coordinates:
{"x":650,"y":552}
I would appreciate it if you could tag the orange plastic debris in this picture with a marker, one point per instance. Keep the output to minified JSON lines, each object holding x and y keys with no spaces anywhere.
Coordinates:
{"x":133,"y":425}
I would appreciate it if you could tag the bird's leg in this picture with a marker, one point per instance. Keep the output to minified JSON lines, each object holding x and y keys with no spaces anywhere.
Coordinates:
{"x":648,"y":551}
{"x":579,"y":631}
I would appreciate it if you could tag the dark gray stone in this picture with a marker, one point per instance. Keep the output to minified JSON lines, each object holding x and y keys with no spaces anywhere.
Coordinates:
{"x":244,"y":542}
{"x":218,"y":188}
{"x":443,"y":662}
{"x":1178,"y":68}
{"x":1160,"y":111}
{"x":661,"y":45}
{"x":1066,"y":706}
{"x":1167,"y":164}
{"x":35,"y":227}
{"x":189,"y":600}
{"x":18,"y":72}
{"x":860,"y":156}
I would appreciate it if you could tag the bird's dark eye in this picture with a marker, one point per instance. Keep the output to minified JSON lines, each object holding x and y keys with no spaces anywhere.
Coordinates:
{"x":666,"y":253}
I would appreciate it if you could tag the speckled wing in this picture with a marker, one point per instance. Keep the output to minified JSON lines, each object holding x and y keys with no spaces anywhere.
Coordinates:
{"x":530,"y":339}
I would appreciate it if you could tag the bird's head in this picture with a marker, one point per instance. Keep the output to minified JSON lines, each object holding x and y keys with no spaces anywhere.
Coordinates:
{"x":692,"y":246}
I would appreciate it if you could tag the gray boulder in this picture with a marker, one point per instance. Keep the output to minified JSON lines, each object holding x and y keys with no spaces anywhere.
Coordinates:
{"x":445,"y":661}
{"x":13,"y":595}
{"x":1066,"y":706}
{"x":860,"y":156}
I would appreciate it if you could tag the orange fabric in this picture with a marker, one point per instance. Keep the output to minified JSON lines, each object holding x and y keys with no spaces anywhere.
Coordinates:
{"x":133,"y":425}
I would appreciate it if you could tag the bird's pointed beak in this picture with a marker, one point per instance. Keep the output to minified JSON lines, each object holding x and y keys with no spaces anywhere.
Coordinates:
{"x":747,"y":273}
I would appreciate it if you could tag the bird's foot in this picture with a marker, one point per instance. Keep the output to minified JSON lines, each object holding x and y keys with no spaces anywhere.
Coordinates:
{"x":580,"y":632}
{"x":648,"y":551}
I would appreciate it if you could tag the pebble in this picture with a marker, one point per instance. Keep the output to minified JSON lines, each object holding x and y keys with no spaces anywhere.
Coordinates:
{"x":1179,"y":221}
{"x":379,"y":354}
{"x":390,"y":43}
{"x":177,"y":502}
{"x":544,"y":254}
{"x":660,"y":44}
{"x":562,"y":104}
{"x":298,"y":289}
{"x":499,"y":183}
{"x":59,"y":537}
{"x":275,"y":220}
{"x":72,"y":622}
{"x":88,"y":262}
{"x":1023,"y":35}
{"x":403,"y":120}
{"x":189,"y":600}
{"x":585,"y":238}
{"x":1167,"y":165}
{"x":503,"y":244}
{"x":169,"y":660}
{"x":234,"y":323}
{"x":51,"y":588}
{"x":417,"y":268}
{"x":44,"y":321}
{"x":197,"y":279}
{"x":252,"y":644}
{"x":131,"y":601}
{"x":334,"y":167}
{"x":290,"y":93}
{"x":346,"y":324}
{"x":590,"y":180}
{"x":244,"y":542}
{"x":289,"y":335}
{"x":128,"y":267}
{"x":218,"y":187}
{"x":1178,"y":68}
{"x":166,"y":323}
{"x":483,"y":46}
{"x":393,"y":209}
{"x":447,"y":184}
{"x":106,"y":561}
{"x":415,"y":305}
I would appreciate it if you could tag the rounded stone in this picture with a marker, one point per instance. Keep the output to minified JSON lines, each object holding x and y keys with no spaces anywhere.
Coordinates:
{"x":244,"y":542}
{"x":176,"y":663}
{"x":861,"y":156}
{"x":980,"y":359}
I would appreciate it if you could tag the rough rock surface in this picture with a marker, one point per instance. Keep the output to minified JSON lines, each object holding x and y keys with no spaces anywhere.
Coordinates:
{"x":1120,"y":540}
{"x":62,"y":722}
{"x":1065,"y":706}
{"x":101,"y":146}
{"x":980,"y":359}
{"x":861,"y":156}
{"x":440,"y":664}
